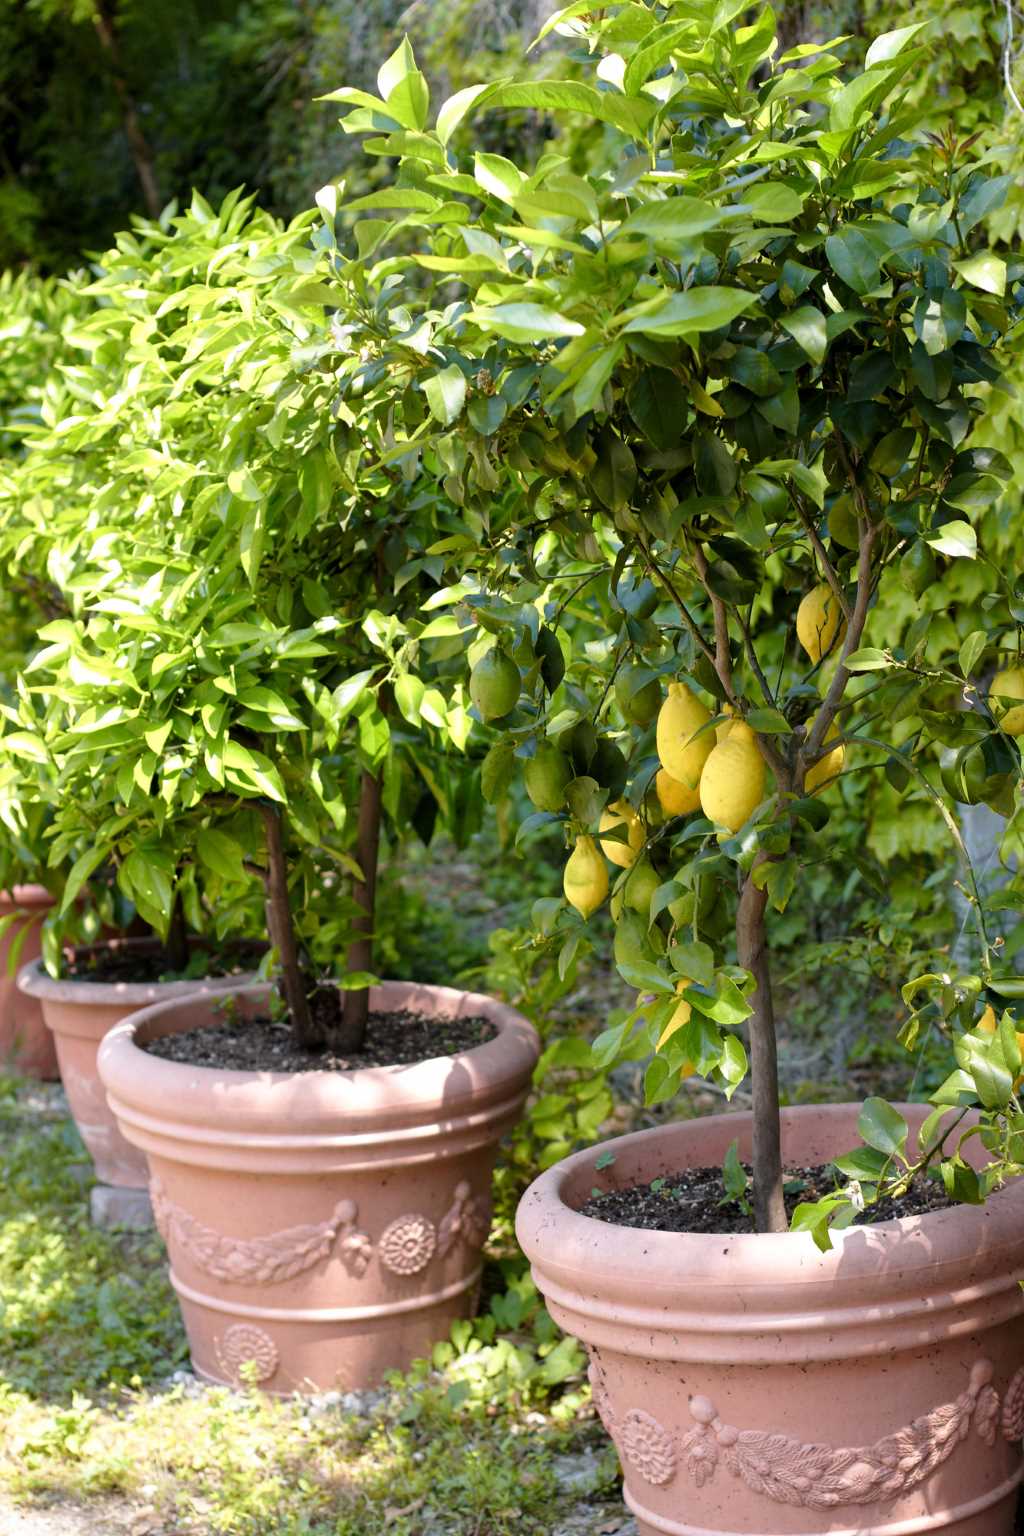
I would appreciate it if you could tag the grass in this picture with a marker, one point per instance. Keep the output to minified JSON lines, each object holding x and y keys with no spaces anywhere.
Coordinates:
{"x":90,"y":1342}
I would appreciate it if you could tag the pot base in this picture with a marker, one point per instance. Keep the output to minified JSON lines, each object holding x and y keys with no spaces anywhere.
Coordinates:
{"x":286,"y":1350}
{"x":110,"y":1206}
{"x":981,"y":1517}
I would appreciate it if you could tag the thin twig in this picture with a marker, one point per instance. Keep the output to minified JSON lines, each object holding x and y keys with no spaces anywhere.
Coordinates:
{"x":1008,"y":59}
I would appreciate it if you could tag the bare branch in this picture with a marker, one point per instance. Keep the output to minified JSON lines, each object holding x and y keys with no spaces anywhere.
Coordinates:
{"x":723,"y":658}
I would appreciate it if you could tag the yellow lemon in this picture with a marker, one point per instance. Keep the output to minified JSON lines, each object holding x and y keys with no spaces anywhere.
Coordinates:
{"x":819,"y":622}
{"x":674,"y":798}
{"x":681,"y":715}
{"x":732,"y":784}
{"x":826,"y":767}
{"x":621,"y":814}
{"x":585,"y":880}
{"x":1010,"y":685}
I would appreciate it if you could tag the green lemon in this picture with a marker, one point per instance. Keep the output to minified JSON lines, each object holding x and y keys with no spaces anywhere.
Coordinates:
{"x":494,"y":684}
{"x":638,"y":699}
{"x":545,"y":775}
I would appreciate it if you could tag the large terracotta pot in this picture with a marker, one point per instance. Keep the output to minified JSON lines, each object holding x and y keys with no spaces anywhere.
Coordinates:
{"x":325,"y":1227}
{"x":26,"y":1044}
{"x":79,"y":1013}
{"x":754,"y":1385}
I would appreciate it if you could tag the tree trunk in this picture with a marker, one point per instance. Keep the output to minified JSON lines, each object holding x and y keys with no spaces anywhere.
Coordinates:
{"x":138,"y":145}
{"x":177,"y":938}
{"x":282,"y":932}
{"x":352,"y":1033}
{"x":752,"y":951}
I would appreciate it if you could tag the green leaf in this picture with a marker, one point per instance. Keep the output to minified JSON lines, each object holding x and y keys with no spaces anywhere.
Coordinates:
{"x":696,"y":310}
{"x":984,"y":271}
{"x":255,"y":770}
{"x":657,"y":402}
{"x":769,"y":722}
{"x":220,"y":853}
{"x":868,"y":659}
{"x":884,"y":1128}
{"x":446,"y":394}
{"x":677,"y":218}
{"x":807,"y":327}
{"x":972,"y":651}
{"x":695,"y":962}
{"x":645,"y":977}
{"x":525,"y":322}
{"x":888,"y":44}
{"x":497,"y":771}
{"x":79,"y":873}
{"x":957,"y":539}
{"x":854,"y":258}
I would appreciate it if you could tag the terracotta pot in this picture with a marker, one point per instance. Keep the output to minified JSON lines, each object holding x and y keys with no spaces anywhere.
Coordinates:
{"x":324,"y":1226}
{"x":754,"y":1385}
{"x":80,"y":1013}
{"x":26,"y":1044}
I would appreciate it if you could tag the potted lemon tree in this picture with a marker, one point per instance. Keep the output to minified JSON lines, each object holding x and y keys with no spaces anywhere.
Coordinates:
{"x":724,"y":345}
{"x":229,"y":715}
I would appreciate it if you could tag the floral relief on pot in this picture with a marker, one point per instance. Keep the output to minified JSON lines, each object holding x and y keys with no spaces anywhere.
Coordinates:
{"x":262,"y":1260}
{"x":790,"y":1471}
{"x":407,"y":1245}
{"x":244,"y":1345}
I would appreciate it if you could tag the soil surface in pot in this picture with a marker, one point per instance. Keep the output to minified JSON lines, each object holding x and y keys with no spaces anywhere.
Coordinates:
{"x":397,"y":1039}
{"x":143,"y":967}
{"x":694,"y":1200}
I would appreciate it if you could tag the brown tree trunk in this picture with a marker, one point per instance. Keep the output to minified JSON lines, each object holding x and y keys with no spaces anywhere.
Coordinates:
{"x":104,"y":20}
{"x":177,"y":938}
{"x":360,"y":953}
{"x":752,"y":952}
{"x":282,"y":932}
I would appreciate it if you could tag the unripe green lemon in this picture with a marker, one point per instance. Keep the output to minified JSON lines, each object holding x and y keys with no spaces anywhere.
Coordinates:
{"x":639,"y":705}
{"x":842,"y":521}
{"x":494,"y":684}
{"x":585,"y":879}
{"x":631,"y":942}
{"x":641,"y":885}
{"x":545,"y":775}
{"x":918,"y":568}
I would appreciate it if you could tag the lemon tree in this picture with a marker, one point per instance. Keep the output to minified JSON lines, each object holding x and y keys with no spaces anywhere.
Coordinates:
{"x":226,"y":705}
{"x":701,"y":372}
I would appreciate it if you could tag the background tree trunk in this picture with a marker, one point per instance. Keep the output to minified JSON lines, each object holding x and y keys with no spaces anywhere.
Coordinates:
{"x":360,"y":953}
{"x":105,"y":22}
{"x":282,"y":932}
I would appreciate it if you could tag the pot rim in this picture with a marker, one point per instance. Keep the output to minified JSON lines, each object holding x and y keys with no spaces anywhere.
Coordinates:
{"x":29,"y":895}
{"x":35,"y":981}
{"x":750,"y":1258}
{"x":288,"y":1108}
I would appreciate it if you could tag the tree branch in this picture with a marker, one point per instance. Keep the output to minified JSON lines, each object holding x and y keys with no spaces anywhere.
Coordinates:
{"x":752,"y":953}
{"x":826,"y":564}
{"x":868,"y":533}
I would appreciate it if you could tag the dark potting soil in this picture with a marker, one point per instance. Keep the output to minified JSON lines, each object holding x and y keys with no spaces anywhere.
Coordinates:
{"x":146,"y":966}
{"x":694,"y":1201}
{"x":397,"y":1039}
